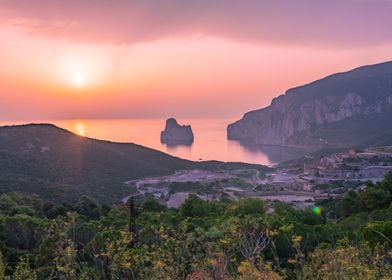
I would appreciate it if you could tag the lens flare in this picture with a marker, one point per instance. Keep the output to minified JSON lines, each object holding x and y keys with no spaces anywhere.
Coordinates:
{"x":316,"y":210}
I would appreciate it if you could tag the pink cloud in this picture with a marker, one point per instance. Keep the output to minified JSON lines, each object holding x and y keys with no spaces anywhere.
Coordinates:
{"x":327,"y":23}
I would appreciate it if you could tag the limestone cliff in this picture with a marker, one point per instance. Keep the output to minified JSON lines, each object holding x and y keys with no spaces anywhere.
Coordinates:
{"x":176,"y":134}
{"x":358,"y":102}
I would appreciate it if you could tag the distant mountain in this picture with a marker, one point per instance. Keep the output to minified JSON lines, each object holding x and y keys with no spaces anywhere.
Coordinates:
{"x":59,"y":165}
{"x":350,"y":109}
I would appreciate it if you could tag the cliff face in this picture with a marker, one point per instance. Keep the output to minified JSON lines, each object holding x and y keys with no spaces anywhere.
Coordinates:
{"x":310,"y":115}
{"x":176,"y":134}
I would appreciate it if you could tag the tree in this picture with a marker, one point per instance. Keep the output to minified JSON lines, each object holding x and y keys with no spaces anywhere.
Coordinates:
{"x":351,"y":204}
{"x":377,"y":232}
{"x":88,"y":207}
{"x":2,"y":268}
{"x":248,"y":271}
{"x":376,"y":197}
{"x":152,"y":205}
{"x":194,"y":207}
{"x":347,"y":262}
{"x":249,"y":206}
{"x":254,"y":238}
{"x":7,"y":205}
{"x":55,"y":256}
{"x":23,"y":271}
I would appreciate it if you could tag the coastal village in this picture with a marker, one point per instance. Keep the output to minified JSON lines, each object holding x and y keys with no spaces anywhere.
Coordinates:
{"x":333,"y":175}
{"x":301,"y":182}
{"x":371,"y":164}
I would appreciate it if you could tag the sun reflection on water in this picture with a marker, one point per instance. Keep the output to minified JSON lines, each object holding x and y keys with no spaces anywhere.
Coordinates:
{"x":80,"y":128}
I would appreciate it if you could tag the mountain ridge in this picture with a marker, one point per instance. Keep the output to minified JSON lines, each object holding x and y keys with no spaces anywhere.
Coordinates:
{"x":294,"y":119}
{"x":56,"y":163}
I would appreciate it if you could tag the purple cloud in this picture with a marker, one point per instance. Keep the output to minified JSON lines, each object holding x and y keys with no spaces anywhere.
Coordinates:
{"x":328,"y":23}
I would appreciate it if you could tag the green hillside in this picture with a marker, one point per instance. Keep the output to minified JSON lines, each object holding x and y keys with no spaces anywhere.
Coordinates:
{"x":59,"y":165}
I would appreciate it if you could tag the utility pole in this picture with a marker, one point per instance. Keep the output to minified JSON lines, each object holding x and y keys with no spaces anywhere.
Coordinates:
{"x":133,"y":213}
{"x":132,"y":216}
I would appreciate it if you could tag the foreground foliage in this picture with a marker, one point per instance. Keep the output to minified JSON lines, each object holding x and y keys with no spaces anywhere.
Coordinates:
{"x":350,"y":239}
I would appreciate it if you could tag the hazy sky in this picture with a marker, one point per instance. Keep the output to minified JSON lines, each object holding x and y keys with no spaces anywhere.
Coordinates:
{"x":124,"y":58}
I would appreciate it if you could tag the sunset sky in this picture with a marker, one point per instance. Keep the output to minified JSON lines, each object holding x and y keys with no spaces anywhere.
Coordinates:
{"x":146,"y":59}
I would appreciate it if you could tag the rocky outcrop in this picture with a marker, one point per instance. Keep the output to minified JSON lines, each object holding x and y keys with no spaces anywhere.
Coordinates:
{"x":323,"y":112}
{"x":176,"y":134}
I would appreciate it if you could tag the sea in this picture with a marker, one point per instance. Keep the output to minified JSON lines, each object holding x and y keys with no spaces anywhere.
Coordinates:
{"x":210,"y":139}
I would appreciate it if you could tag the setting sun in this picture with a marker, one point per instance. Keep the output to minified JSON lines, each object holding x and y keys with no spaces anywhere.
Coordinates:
{"x":79,"y":80}
{"x":78,"y":68}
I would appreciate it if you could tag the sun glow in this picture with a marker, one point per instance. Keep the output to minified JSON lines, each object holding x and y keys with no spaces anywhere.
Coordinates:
{"x":80,"y":69}
{"x":79,"y":80}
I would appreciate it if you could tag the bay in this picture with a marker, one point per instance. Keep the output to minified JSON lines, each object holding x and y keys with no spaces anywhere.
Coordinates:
{"x":210,"y":138}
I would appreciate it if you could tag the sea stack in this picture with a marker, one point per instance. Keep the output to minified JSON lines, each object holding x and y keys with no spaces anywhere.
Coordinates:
{"x":175,"y":134}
